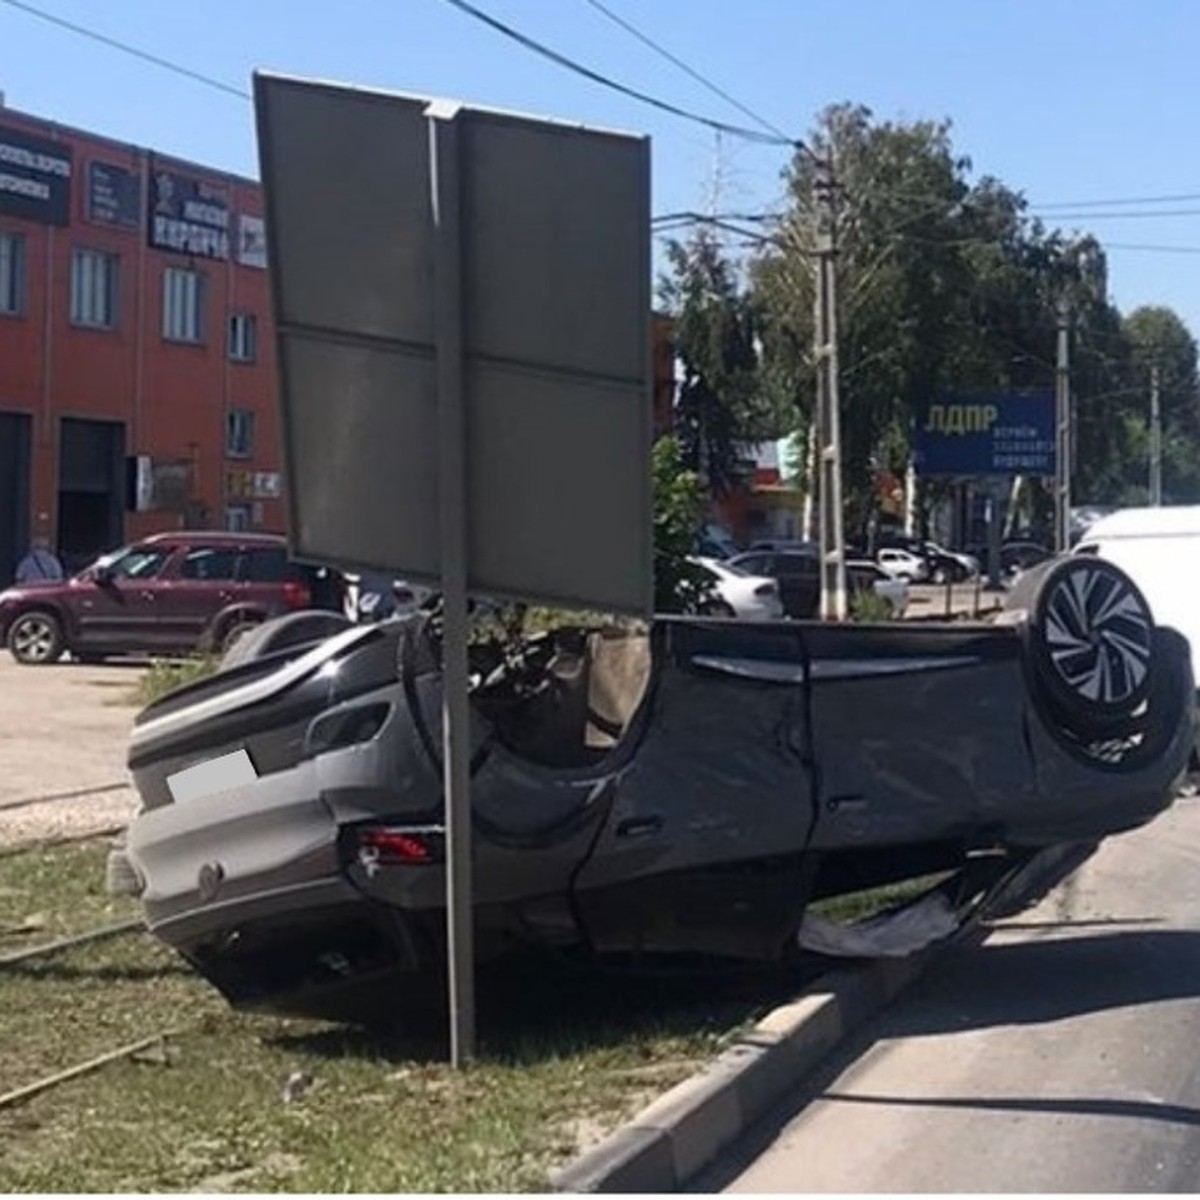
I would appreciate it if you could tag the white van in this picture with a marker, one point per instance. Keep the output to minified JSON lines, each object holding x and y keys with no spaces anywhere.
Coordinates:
{"x":1159,"y":548}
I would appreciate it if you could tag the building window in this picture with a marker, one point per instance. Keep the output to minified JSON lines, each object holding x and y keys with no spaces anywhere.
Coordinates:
{"x":237,"y":518}
{"x":239,"y":433}
{"x":12,"y":273}
{"x":243,"y":337}
{"x":93,"y":289}
{"x":183,"y":305}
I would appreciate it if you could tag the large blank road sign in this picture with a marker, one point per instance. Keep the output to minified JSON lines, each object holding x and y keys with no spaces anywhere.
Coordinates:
{"x":553,"y":248}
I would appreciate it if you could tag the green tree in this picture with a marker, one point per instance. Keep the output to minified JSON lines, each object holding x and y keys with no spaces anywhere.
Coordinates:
{"x":1159,"y":339}
{"x":720,"y":408}
{"x":680,"y":504}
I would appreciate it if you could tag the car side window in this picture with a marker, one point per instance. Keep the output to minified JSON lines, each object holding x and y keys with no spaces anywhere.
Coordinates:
{"x":139,"y":562}
{"x":209,"y":564}
{"x":264,"y":566}
{"x":755,"y":564}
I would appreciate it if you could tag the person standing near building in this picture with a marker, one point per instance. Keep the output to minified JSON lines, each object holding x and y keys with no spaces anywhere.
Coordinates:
{"x":40,"y":565}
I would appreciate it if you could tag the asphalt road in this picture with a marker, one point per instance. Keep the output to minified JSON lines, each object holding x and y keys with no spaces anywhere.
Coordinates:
{"x":1063,"y":1055}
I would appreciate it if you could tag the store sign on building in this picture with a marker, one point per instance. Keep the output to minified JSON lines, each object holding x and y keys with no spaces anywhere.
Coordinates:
{"x":244,"y":484}
{"x":188,"y":216}
{"x":35,"y":178}
{"x":114,"y":196}
{"x":252,"y":241}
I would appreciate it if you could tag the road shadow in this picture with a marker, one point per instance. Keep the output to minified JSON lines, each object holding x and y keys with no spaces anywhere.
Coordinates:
{"x":993,"y":984}
{"x":1049,"y":979}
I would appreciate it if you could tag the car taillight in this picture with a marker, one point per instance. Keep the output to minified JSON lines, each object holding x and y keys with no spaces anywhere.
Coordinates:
{"x":296,"y":594}
{"x":766,"y":589}
{"x":391,"y":846}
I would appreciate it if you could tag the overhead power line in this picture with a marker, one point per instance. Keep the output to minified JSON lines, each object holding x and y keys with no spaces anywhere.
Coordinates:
{"x":125,"y":48}
{"x":1178,"y":198}
{"x":1153,"y":249}
{"x":570,"y":64}
{"x":688,"y":70}
{"x":1113,"y":216}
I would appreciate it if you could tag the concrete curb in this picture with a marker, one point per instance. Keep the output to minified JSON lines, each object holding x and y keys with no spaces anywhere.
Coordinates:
{"x":686,"y":1128}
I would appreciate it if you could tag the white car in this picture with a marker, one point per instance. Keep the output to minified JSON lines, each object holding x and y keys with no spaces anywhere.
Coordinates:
{"x":736,"y":594}
{"x":901,"y":564}
{"x":891,"y":588}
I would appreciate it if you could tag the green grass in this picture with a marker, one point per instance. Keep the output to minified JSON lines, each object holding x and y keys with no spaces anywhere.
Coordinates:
{"x":855,"y":906}
{"x":563,"y":1059}
{"x":165,"y":676}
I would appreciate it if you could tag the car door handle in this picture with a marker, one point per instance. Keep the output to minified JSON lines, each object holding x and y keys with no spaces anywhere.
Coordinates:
{"x":640,"y":827}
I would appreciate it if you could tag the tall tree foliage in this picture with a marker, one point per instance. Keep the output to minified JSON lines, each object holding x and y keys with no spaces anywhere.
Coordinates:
{"x":720,"y":406}
{"x":947,"y":285}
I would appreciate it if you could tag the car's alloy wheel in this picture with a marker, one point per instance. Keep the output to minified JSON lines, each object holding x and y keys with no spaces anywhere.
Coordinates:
{"x":1099,"y":633}
{"x":1091,"y":637}
{"x":35,"y":639}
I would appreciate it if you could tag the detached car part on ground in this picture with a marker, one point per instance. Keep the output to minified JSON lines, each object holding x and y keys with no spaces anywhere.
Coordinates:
{"x":686,"y":791}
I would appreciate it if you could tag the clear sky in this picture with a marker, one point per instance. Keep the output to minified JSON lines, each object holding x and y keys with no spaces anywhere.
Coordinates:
{"x":1066,"y":100}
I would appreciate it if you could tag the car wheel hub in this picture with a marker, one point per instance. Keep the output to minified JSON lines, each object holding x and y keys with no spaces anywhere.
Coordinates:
{"x":33,"y":639}
{"x":1099,"y":635}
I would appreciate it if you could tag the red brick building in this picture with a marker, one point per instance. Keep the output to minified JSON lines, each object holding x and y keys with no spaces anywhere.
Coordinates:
{"x":136,"y":350}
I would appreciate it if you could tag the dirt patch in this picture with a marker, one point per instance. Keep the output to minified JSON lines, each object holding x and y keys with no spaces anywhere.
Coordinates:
{"x":61,"y":736}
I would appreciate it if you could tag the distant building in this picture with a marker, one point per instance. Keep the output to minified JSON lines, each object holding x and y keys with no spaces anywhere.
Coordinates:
{"x":137,"y":355}
{"x":136,"y":351}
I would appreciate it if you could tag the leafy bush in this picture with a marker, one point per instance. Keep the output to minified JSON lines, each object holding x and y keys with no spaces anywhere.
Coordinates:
{"x":868,"y":606}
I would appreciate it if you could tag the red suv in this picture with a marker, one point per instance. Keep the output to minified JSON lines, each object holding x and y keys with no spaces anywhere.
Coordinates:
{"x":171,"y":593}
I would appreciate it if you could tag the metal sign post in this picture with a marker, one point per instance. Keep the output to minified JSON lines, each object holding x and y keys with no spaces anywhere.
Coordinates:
{"x":462,"y":309}
{"x":446,"y":207}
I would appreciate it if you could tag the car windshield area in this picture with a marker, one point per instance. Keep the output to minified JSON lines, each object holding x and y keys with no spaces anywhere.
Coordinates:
{"x":130,"y":562}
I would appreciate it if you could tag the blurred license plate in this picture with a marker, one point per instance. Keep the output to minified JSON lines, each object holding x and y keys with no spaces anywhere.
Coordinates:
{"x":216,"y":775}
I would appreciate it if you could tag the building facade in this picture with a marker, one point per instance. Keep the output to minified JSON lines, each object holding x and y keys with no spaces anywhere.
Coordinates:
{"x":136,"y":351}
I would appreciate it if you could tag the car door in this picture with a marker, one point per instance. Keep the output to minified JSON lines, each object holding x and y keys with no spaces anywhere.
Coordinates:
{"x":199,"y":586}
{"x":703,"y":848}
{"x":115,"y":604}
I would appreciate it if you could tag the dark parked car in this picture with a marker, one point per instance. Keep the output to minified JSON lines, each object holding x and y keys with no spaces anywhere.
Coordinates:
{"x":684,"y":790}
{"x":171,"y":593}
{"x":797,"y":572}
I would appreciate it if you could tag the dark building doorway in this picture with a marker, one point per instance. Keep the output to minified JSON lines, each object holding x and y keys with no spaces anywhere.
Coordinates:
{"x":91,"y":489}
{"x":15,"y":444}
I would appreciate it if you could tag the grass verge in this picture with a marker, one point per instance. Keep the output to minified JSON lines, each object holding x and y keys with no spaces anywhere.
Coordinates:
{"x":165,"y":676}
{"x":562,"y":1062}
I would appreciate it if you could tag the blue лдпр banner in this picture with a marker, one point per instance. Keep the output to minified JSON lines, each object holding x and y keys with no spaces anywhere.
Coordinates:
{"x":986,"y":434}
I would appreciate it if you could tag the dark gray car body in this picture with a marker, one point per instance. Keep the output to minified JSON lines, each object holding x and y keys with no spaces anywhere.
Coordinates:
{"x":756,"y":768}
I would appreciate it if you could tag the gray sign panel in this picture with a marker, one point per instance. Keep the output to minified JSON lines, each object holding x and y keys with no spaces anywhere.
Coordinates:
{"x":554,"y":244}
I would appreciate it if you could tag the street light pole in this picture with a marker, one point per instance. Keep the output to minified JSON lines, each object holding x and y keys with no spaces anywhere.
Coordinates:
{"x":827,"y":423}
{"x":1155,"y":439}
{"x":1063,"y":439}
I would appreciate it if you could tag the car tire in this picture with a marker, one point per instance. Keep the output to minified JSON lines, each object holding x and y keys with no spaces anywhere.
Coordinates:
{"x":267,"y":637}
{"x":1089,"y":636}
{"x":35,"y":638}
{"x":941,"y":575}
{"x":717,"y":608}
{"x":233,"y":633}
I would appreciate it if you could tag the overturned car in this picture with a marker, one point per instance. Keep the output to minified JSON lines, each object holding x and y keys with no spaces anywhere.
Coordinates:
{"x":687,"y":788}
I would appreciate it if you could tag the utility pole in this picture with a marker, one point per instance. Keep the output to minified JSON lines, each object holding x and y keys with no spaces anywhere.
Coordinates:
{"x":1063,"y":439}
{"x":827,"y":423}
{"x":1155,"y":440}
